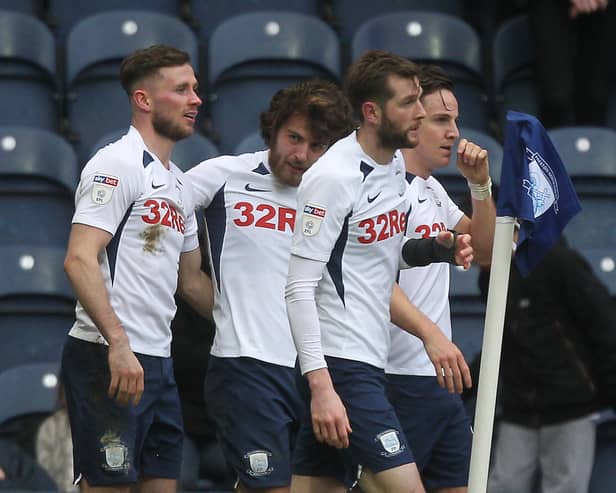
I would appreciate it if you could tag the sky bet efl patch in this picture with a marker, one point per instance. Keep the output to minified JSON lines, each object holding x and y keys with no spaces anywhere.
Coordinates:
{"x":103,"y":187}
{"x":312,"y":218}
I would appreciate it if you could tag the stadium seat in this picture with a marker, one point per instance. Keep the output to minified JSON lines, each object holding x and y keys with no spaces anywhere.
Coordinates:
{"x":513,"y":58}
{"x":603,"y":479}
{"x":589,"y":154}
{"x":251,"y":143}
{"x":209,"y":14}
{"x":28,"y":389}
{"x":350,"y":14}
{"x":467,"y":332}
{"x":450,"y":176}
{"x":186,"y":152}
{"x":464,"y":295}
{"x":38,"y":176}
{"x":95,"y":47}
{"x":251,"y":56}
{"x":29,"y":92}
{"x":430,"y":37}
{"x":30,"y":7}
{"x":595,"y":225}
{"x":64,"y":14}
{"x":36,"y":305}
{"x":603,"y":262}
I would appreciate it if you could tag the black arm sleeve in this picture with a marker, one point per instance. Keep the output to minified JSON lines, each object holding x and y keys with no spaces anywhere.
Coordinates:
{"x":425,"y":251}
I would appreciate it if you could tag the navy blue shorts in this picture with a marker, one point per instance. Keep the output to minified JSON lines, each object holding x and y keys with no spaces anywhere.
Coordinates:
{"x":256,"y":408}
{"x":115,"y":444}
{"x":437,"y":428}
{"x":376,"y":443}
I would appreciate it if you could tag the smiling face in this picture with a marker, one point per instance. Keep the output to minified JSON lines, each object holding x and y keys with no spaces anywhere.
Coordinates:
{"x":175,"y":102}
{"x":402,"y":114}
{"x":438,"y":132}
{"x":294,"y":150}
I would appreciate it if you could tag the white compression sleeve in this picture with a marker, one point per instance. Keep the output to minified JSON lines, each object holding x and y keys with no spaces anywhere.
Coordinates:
{"x":304,"y":275}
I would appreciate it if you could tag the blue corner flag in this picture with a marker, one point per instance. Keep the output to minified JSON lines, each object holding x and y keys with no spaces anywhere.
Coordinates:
{"x":535,"y":188}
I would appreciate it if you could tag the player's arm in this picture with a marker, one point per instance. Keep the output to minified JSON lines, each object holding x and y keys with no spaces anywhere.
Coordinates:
{"x":447,"y":247}
{"x":329,"y":418}
{"x":473,"y":163}
{"x":81,"y":266}
{"x":194,"y":285}
{"x":452,"y":371}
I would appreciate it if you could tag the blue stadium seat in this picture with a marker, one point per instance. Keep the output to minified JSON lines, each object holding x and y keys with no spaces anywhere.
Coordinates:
{"x":467,"y":332}
{"x":28,"y":389}
{"x":36,"y":305}
{"x":350,"y":14}
{"x":603,"y":262}
{"x":251,"y":143}
{"x":30,"y":7}
{"x":64,"y":14}
{"x":513,"y":59}
{"x":589,"y":154}
{"x":95,"y":47}
{"x":186,"y":153}
{"x":430,"y":37}
{"x":251,"y":56}
{"x":595,"y":225}
{"x":38,"y":176}
{"x":603,"y":479}
{"x":28,"y":82}
{"x":209,"y":14}
{"x":464,"y":294}
{"x":450,"y":176}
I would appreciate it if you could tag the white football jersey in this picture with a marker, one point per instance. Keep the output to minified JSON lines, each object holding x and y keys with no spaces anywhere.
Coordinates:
{"x":149,"y":209}
{"x":427,"y":287}
{"x":250,"y":218}
{"x":351,"y":214}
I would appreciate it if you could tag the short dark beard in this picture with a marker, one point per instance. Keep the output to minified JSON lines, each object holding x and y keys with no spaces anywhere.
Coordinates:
{"x":166,"y":128}
{"x":391,"y":138}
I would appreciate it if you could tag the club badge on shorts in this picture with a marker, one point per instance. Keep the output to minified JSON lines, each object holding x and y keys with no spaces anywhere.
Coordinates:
{"x":103,"y":188}
{"x":115,"y":453}
{"x":258,"y":463}
{"x":312,"y":218}
{"x":390,"y":441}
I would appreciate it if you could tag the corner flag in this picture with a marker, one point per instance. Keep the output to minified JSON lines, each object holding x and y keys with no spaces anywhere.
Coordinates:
{"x":535,"y":188}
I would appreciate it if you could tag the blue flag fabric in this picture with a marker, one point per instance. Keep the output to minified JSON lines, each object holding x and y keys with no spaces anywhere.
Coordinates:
{"x":535,"y":188}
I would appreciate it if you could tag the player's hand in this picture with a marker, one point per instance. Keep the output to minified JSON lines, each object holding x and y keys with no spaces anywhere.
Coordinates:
{"x":126,"y":375}
{"x":329,"y":418}
{"x":452,"y":372}
{"x":472,"y":161}
{"x":464,"y":250}
{"x":578,"y":7}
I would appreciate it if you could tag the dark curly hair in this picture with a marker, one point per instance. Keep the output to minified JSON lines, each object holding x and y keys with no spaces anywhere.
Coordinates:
{"x":320,"y":101}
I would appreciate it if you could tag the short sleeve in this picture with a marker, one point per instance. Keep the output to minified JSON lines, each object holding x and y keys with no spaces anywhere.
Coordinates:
{"x":107,"y":189}
{"x":208,"y":177}
{"x":325,"y":199}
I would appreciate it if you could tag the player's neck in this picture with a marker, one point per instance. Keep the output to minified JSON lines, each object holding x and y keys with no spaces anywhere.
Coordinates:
{"x":369,"y":142}
{"x":160,"y":146}
{"x":413,"y":166}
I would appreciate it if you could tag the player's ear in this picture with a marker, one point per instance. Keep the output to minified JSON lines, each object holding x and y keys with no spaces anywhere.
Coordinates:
{"x":141,"y":100}
{"x":371,"y":112}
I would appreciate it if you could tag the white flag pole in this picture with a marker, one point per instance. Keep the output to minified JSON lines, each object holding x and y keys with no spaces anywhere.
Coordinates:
{"x":490,"y":356}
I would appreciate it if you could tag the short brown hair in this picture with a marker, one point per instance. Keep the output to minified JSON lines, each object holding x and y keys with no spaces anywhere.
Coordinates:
{"x":320,"y":101}
{"x":146,"y":62}
{"x":366,"y":79}
{"x":433,"y":78}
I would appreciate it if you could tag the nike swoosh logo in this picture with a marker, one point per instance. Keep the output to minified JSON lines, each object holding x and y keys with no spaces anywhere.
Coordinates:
{"x":157,"y":186}
{"x":248,"y":188}
{"x":421,"y":201}
{"x":372,"y":199}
